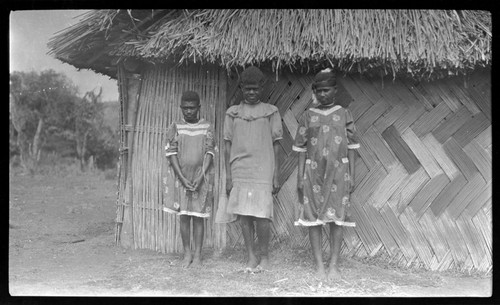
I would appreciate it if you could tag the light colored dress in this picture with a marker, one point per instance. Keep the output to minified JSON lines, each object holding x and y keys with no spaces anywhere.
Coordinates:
{"x":252,"y":130}
{"x":190,"y":142}
{"x":325,"y":135}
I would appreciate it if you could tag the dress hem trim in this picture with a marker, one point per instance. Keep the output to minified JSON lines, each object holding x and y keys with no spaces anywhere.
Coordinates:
{"x":241,"y":214}
{"x":318,"y":222}
{"x":298,"y":149}
{"x":202,"y":215}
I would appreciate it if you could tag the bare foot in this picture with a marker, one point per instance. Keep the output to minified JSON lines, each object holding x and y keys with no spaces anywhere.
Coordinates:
{"x":187,"y":260}
{"x":264,"y":263}
{"x":320,"y":272}
{"x":252,"y":261}
{"x":196,"y":261}
{"x":334,"y":274}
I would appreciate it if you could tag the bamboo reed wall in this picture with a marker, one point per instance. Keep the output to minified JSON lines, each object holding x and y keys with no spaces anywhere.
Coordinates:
{"x":158,"y":106}
{"x":423,"y":174}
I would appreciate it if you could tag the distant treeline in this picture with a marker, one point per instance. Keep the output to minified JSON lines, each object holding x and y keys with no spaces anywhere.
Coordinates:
{"x":47,"y":116}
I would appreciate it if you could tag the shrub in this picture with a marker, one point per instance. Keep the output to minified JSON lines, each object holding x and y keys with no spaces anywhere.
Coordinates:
{"x":110,"y":174}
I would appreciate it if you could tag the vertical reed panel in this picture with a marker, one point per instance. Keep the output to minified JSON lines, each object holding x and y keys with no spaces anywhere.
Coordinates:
{"x":158,"y":108}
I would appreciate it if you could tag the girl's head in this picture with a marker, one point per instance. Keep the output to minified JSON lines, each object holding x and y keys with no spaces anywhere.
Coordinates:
{"x":190,"y":106}
{"x":325,"y":87}
{"x":251,"y":83}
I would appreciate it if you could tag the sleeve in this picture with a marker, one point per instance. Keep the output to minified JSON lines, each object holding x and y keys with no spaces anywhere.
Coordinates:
{"x":209,"y":141}
{"x":276,"y":126}
{"x":171,"y":148}
{"x":228,"y":128}
{"x":352,"y":135}
{"x":300,"y":142}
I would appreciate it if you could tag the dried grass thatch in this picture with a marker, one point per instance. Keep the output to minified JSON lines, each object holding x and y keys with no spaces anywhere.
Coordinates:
{"x":418,"y":43}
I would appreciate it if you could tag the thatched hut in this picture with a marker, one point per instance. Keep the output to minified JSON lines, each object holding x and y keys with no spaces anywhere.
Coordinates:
{"x":417,"y":82}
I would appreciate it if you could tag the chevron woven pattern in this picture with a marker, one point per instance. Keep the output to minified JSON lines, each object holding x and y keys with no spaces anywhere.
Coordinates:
{"x":423,"y":173}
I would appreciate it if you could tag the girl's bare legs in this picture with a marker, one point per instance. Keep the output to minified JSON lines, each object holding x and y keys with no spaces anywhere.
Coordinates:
{"x":185,"y":236}
{"x":248,"y":236}
{"x":315,"y":238}
{"x":198,"y":239}
{"x":263,"y":235}
{"x":336,"y":234}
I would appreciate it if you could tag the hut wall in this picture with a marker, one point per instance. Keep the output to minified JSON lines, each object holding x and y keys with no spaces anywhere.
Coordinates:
{"x":423,"y":173}
{"x":158,"y":106}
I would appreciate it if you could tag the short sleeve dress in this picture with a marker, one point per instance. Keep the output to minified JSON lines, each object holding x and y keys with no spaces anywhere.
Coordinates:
{"x":190,"y":142}
{"x":325,"y":135}
{"x":252,"y":130}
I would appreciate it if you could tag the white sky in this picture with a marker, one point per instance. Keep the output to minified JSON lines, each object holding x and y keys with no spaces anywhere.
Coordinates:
{"x":30,"y":32}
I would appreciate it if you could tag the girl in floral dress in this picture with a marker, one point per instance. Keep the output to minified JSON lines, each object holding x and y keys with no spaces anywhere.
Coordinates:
{"x":325,"y":140}
{"x":190,"y":150}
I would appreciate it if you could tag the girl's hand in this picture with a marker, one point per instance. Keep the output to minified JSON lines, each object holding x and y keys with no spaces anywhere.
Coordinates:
{"x":351,"y":186}
{"x":300,"y":190}
{"x":276,"y":185}
{"x":229,"y":185}
{"x":197,"y":183}
{"x":186,"y":183}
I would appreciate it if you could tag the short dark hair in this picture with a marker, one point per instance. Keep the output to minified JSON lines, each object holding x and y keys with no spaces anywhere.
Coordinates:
{"x":324,"y":78}
{"x":252,"y":76}
{"x":190,"y":96}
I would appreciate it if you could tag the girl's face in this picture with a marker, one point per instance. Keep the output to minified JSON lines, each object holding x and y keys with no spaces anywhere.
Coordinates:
{"x":251,"y":93}
{"x":326,"y":95}
{"x":190,"y":110}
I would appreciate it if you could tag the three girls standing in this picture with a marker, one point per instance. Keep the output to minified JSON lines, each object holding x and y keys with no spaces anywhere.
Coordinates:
{"x":325,"y":140}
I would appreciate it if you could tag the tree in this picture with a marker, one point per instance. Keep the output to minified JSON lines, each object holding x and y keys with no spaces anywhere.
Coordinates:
{"x":88,"y":118}
{"x":38,"y":100}
{"x":104,"y":147}
{"x":47,"y":114}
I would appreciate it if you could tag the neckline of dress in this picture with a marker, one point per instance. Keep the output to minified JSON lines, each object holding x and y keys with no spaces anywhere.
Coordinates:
{"x":326,"y":112}
{"x":245,"y":103}
{"x":192,"y":124}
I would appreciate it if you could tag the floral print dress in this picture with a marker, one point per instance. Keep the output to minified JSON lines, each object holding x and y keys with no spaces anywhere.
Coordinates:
{"x":190,"y":142}
{"x":325,"y":135}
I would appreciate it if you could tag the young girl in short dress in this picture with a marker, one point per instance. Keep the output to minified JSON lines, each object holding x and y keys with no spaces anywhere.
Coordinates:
{"x":325,"y":140}
{"x":188,"y":190}
{"x":251,"y":133}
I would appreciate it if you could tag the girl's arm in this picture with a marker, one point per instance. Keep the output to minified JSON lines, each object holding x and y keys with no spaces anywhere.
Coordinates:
{"x":300,"y":175}
{"x":353,"y":144}
{"x":209,"y":148}
{"x":227,"y":154}
{"x":206,"y":165}
{"x":276,"y":184}
{"x":177,"y":170}
{"x":351,"y":154}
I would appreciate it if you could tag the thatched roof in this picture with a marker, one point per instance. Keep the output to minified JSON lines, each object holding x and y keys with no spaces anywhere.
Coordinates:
{"x":418,"y":43}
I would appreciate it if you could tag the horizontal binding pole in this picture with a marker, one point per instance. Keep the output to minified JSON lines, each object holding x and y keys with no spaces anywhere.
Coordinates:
{"x":146,"y":129}
{"x":134,"y":76}
{"x":148,"y":208}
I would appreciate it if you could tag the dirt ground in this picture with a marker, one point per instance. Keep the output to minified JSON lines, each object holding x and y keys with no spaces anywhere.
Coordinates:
{"x":61,"y":243}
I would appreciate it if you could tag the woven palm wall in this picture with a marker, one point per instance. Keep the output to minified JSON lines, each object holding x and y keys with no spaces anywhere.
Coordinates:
{"x":423,"y":175}
{"x":158,"y":106}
